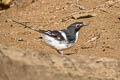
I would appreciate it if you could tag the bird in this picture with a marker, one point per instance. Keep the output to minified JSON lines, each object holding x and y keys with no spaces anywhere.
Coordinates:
{"x":60,"y":39}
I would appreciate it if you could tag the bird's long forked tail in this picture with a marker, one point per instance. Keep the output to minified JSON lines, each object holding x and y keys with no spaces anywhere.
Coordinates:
{"x":30,"y":27}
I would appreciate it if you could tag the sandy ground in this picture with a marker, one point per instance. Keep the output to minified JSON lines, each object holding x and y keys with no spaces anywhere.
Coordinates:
{"x":56,"y":14}
{"x":25,"y":64}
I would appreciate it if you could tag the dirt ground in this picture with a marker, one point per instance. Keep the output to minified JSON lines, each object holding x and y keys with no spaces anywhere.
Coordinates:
{"x":104,"y":27}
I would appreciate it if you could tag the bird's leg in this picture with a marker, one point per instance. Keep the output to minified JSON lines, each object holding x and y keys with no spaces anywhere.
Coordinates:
{"x":60,"y":52}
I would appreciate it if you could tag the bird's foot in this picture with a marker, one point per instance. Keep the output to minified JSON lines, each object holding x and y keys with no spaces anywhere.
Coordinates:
{"x":60,"y":52}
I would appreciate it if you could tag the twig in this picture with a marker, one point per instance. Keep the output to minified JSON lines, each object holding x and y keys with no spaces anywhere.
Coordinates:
{"x":93,"y":39}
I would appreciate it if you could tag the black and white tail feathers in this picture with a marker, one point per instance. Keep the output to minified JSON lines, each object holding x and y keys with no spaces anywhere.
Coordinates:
{"x":53,"y":33}
{"x":30,"y":27}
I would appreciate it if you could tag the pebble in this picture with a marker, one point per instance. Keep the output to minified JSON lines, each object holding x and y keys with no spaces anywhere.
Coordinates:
{"x":20,"y":40}
{"x":84,"y":15}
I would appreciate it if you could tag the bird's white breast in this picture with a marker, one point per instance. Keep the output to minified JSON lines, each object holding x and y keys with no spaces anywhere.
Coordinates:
{"x":60,"y":45}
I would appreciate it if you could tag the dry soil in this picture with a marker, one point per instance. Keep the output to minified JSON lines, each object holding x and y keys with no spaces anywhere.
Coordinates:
{"x":104,"y":27}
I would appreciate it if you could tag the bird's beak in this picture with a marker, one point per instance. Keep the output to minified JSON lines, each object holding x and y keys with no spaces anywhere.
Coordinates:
{"x":85,"y":24}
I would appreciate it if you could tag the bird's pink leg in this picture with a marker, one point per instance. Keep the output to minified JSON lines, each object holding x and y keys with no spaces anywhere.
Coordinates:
{"x":60,"y":52}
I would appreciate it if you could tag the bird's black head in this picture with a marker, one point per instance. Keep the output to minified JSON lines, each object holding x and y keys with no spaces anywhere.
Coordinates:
{"x":76,"y":26}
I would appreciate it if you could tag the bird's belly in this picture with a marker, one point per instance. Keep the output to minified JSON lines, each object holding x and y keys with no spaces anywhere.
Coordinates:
{"x":59,"y":45}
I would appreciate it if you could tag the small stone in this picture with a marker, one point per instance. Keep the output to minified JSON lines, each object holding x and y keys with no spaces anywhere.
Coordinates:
{"x":63,"y":20}
{"x":119,"y":18}
{"x":20,"y":40}
{"x":103,"y":50}
{"x":40,"y":37}
{"x":84,"y":15}
{"x":11,"y":25}
{"x":104,"y":43}
{"x":110,"y":3}
{"x":107,"y":38}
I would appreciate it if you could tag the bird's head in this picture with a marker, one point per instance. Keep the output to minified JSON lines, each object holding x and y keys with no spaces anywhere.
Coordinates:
{"x":76,"y":26}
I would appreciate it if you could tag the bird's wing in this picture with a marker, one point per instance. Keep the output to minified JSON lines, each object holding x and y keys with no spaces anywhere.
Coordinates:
{"x":53,"y":33}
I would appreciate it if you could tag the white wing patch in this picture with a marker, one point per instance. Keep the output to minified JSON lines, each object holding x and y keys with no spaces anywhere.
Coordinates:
{"x":64,"y":35}
{"x":77,"y":34}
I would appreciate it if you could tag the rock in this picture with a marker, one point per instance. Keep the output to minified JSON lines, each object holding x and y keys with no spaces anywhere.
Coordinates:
{"x":110,"y":3}
{"x":83,"y":15}
{"x":20,"y":39}
{"x":44,"y":66}
{"x":6,"y":2}
{"x":119,"y":18}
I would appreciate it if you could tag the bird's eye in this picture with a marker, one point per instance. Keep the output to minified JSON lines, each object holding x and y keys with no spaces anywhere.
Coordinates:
{"x":77,"y":25}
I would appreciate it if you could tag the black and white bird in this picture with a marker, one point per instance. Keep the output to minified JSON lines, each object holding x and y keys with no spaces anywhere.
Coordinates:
{"x":60,"y":39}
